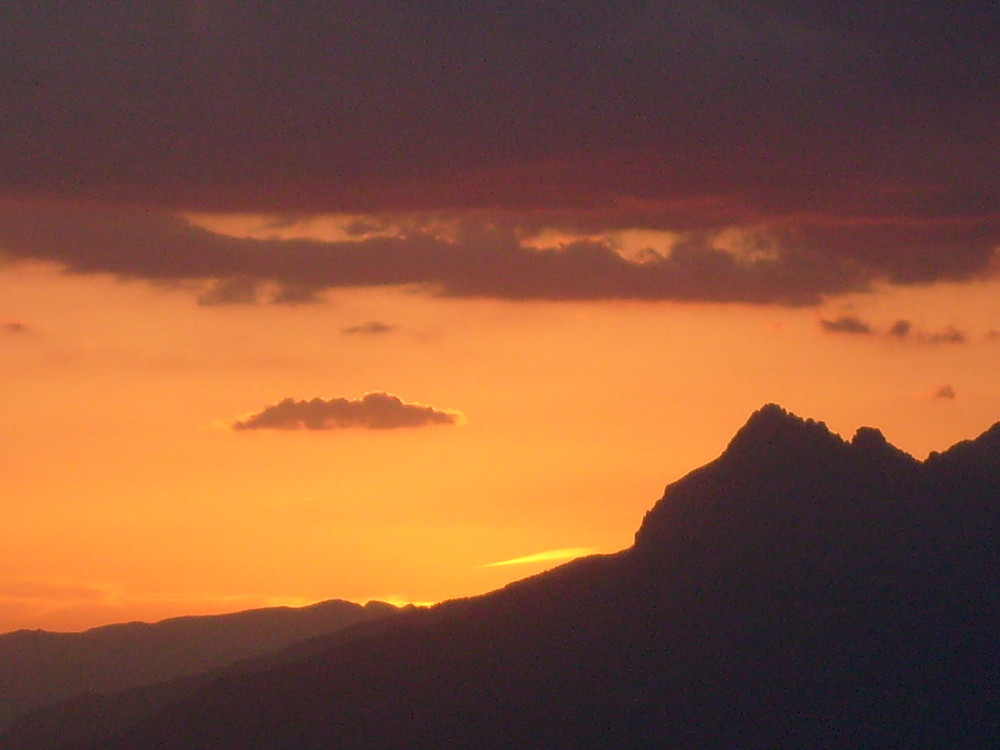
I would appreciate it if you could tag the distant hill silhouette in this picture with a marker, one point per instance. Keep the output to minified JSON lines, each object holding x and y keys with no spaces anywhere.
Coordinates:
{"x":800,"y":591}
{"x":38,"y":667}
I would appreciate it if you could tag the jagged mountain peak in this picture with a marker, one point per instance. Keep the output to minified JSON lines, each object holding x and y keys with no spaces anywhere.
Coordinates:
{"x":871,"y":445}
{"x":773,"y":434}
{"x":772,"y":419}
{"x":779,"y":473}
{"x":772,"y":430}
{"x":869,"y":437}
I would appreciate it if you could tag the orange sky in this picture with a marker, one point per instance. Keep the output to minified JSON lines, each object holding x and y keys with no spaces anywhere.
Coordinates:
{"x":567,"y":248}
{"x":128,"y":496}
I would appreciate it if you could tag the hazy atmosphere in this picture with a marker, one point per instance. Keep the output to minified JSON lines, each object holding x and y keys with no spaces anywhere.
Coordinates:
{"x":409,"y":300}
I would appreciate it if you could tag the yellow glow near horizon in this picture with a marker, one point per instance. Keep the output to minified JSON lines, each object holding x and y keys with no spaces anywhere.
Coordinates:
{"x":568,"y":553}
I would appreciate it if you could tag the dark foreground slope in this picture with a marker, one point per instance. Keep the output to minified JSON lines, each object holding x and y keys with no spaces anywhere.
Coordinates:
{"x":38,"y":667}
{"x":800,"y":591}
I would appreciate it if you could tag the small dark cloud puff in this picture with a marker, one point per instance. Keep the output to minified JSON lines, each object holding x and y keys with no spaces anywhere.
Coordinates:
{"x":901,"y":329}
{"x":950,"y":335}
{"x":239,"y":290}
{"x":13,"y":326}
{"x":246,"y":290}
{"x":846,"y":324}
{"x":296,"y":294}
{"x":373,"y":411}
{"x":370,"y":327}
{"x":945,"y":391}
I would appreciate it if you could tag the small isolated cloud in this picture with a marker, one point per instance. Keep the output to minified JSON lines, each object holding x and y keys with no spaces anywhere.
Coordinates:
{"x":945,"y":391}
{"x":296,"y":294}
{"x":904,"y":329}
{"x":13,"y":326}
{"x":950,"y":335}
{"x":370,"y":327}
{"x":566,"y":553}
{"x":245,"y":290}
{"x":846,"y":324}
{"x":901,"y":329}
{"x":374,"y":411}
{"x":238,"y":290}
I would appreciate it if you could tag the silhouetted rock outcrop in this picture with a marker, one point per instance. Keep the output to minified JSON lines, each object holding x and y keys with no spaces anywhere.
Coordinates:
{"x":799,"y":591}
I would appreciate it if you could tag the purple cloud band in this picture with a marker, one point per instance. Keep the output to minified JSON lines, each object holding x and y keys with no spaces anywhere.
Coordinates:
{"x":797,"y":265}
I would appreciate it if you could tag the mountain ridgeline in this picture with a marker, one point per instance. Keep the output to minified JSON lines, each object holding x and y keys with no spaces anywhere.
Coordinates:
{"x":39,"y":668}
{"x":799,"y":591}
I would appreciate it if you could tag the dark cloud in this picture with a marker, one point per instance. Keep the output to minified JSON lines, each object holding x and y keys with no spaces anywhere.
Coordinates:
{"x":296,"y":294}
{"x":907,"y":252}
{"x":950,"y":335}
{"x":901,"y":329}
{"x":860,"y":137}
{"x":13,"y":326}
{"x":477,"y":257}
{"x":846,"y":324}
{"x":370,"y":327}
{"x":374,"y":411}
{"x":239,"y":290}
{"x":248,"y":290}
{"x":481,"y":260}
{"x":945,"y":391}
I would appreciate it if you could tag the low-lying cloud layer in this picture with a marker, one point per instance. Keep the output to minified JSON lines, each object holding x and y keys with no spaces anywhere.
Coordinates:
{"x":374,"y":411}
{"x":901,"y":330}
{"x":846,"y":324}
{"x":369,"y":328}
{"x":475,"y":258}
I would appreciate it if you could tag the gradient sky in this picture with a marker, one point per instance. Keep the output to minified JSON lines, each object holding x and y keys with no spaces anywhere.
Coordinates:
{"x":363,"y":299}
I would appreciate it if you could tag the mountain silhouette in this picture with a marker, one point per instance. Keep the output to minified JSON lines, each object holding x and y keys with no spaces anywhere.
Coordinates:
{"x":39,"y":667}
{"x":799,"y":591}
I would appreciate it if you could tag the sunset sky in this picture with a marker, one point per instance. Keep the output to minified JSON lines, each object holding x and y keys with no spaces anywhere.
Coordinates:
{"x":357,"y":299}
